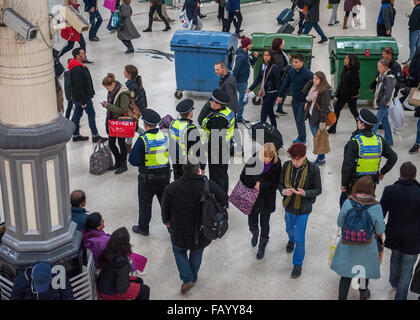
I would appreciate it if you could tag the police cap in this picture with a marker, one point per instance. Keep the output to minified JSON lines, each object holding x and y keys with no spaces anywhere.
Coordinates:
{"x":151,"y":117}
{"x":367,"y":117}
{"x":185,"y":106}
{"x":220,"y":96}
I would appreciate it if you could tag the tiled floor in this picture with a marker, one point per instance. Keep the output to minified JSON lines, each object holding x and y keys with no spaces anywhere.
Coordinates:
{"x":230,"y":269}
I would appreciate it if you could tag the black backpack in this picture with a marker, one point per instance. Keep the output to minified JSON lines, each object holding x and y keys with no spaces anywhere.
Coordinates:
{"x":58,"y":67}
{"x":214,"y":216}
{"x":271,"y":133}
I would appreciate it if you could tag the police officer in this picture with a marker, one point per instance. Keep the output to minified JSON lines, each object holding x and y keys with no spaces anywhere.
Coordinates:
{"x":183,"y":135}
{"x":150,"y":155}
{"x":362,"y":155}
{"x":218,"y":125}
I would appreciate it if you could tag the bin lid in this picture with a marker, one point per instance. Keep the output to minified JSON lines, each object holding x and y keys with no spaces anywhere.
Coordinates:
{"x":204,"y":39}
{"x":292,"y":42}
{"x":359,"y":45}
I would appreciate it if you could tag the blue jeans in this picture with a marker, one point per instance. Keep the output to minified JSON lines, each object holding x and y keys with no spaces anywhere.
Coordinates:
{"x":414,"y":40}
{"x":267,"y":109}
{"x":242,"y":86}
{"x":69,"y":107}
{"x":299,"y":114}
{"x":296,"y":230}
{"x":187,"y":266}
{"x":308,"y":27}
{"x":418,"y":132}
{"x":401,"y":272}
{"x":314,"y":130}
{"x":95,"y":19}
{"x":382,"y":116}
{"x":280,"y":105}
{"x":78,"y":112}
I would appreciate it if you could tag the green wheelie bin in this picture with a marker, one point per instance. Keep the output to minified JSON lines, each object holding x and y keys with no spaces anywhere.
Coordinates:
{"x":293,"y":44}
{"x":368,"y":51}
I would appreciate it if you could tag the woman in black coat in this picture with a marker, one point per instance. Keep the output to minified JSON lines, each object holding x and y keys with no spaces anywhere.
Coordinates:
{"x":283,"y":61}
{"x":348,"y":89}
{"x":269,"y":80}
{"x":266,"y":182}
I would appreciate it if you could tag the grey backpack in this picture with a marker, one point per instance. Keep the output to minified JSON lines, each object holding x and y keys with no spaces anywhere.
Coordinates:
{"x":100,"y":160}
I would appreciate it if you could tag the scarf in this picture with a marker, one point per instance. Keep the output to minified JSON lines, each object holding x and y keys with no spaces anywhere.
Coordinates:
{"x":288,"y":184}
{"x":311,"y":97}
{"x":267,"y":167}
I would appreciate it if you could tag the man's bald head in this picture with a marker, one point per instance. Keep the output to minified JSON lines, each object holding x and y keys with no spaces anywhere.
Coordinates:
{"x":78,"y":199}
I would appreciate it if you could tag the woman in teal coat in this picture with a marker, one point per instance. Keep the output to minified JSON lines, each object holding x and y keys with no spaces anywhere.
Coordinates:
{"x":360,"y":261}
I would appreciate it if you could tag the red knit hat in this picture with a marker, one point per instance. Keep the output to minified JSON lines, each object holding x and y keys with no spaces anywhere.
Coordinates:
{"x":245,"y":42}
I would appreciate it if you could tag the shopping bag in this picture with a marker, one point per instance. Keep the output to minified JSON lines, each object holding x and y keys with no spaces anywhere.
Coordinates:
{"x":115,"y":22}
{"x":187,"y":24}
{"x":243,"y":197}
{"x":100,"y":160}
{"x":321,"y":143}
{"x":110,"y":4}
{"x":333,"y":246}
{"x":122,"y":128}
{"x":414,"y":98}
{"x":396,"y":113}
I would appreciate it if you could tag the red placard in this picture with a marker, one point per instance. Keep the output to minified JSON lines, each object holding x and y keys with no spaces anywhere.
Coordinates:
{"x":122,"y":128}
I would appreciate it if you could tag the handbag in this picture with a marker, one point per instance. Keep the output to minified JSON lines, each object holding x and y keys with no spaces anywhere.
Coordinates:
{"x":261,"y":91}
{"x":335,"y":240}
{"x":124,"y":127}
{"x":414,"y":98}
{"x":321,"y":143}
{"x":133,"y":111}
{"x":331,"y":117}
{"x":185,"y":22}
{"x":100,"y":160}
{"x":243,"y":197}
{"x":115,"y":22}
{"x":396,"y":113}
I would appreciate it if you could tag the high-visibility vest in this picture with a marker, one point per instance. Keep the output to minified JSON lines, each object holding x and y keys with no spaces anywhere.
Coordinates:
{"x":229,"y":116}
{"x":370,"y":151}
{"x":156,"y":150}
{"x":178,"y":129}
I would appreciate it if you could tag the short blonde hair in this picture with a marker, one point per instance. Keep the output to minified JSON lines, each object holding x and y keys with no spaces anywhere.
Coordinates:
{"x":269,"y":150}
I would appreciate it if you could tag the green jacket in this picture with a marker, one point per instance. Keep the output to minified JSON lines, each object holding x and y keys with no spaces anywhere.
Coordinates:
{"x":121,"y":103}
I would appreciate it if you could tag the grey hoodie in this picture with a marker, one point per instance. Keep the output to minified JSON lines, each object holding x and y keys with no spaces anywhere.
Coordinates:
{"x":384,"y":89}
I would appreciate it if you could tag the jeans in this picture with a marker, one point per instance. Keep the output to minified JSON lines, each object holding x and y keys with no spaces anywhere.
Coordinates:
{"x":308,"y":27}
{"x":299,"y":114}
{"x":314,"y":130}
{"x":188,"y":266}
{"x":242,"y":86}
{"x":280,"y":105}
{"x":69,"y":107}
{"x":401,"y":272}
{"x":333,"y":18}
{"x":414,"y":39}
{"x":159,"y":12}
{"x":78,"y":112}
{"x":264,"y":223}
{"x":296,"y":229}
{"x":237,"y":24}
{"x":95,"y":19}
{"x":339,"y":105}
{"x":70,"y":45}
{"x":382,"y":116}
{"x":267,"y":109}
{"x":418,"y":132}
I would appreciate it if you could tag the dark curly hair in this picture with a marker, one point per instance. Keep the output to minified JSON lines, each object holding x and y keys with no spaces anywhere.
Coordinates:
{"x":297,"y":150}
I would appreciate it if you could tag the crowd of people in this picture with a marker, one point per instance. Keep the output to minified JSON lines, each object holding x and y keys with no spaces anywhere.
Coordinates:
{"x":178,"y":148}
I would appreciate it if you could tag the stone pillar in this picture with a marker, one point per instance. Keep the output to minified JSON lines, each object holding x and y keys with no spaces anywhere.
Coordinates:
{"x":33,"y":160}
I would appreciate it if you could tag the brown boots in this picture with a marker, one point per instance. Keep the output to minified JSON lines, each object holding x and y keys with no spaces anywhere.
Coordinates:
{"x":345,"y":22}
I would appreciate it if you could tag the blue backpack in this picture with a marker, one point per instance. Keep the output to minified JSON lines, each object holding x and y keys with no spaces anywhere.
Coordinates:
{"x":358,"y":226}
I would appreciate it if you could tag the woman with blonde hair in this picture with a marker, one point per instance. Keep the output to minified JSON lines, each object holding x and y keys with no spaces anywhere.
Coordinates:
{"x":364,"y":255}
{"x":318,"y":106}
{"x":117,"y":105}
{"x":262,"y":172}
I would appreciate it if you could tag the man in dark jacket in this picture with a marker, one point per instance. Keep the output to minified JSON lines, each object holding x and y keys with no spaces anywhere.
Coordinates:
{"x":241,"y":72}
{"x":312,"y":19}
{"x":35,"y":284}
{"x":297,"y":77}
{"x":414,"y":28}
{"x":67,"y":91}
{"x":233,"y":8}
{"x":78,"y":211}
{"x":402,"y":201}
{"x":227,"y":83}
{"x":95,"y":18}
{"x":300,"y":184}
{"x":82,"y":93}
{"x":359,"y":161}
{"x":181,"y":213}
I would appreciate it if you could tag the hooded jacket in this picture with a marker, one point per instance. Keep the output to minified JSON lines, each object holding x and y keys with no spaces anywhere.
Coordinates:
{"x":81,"y":82}
{"x":95,"y":241}
{"x":243,"y":65}
{"x":115,"y":278}
{"x":384,"y":89}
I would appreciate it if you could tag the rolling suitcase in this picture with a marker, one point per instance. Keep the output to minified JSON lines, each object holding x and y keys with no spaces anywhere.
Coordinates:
{"x":288,"y":28}
{"x":271,"y":133}
{"x":285,"y":16}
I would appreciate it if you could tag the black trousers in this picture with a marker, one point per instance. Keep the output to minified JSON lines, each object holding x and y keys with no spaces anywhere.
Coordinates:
{"x":237,"y":24}
{"x":177,"y":170}
{"x":381,"y":30}
{"x":219,"y":174}
{"x":344,"y":286}
{"x":264,"y":223}
{"x":128,"y":44}
{"x":159,"y":12}
{"x":339,"y":105}
{"x":121,"y":154}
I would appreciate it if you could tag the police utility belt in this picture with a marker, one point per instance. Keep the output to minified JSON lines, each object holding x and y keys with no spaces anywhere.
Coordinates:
{"x":150,"y":177}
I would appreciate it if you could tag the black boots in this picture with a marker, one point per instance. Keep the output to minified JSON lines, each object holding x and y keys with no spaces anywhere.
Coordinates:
{"x":261,"y":247}
{"x":121,"y":168}
{"x":254,"y":239}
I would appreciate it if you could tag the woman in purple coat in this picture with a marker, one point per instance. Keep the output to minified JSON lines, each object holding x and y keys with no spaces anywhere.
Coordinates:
{"x":94,"y":237}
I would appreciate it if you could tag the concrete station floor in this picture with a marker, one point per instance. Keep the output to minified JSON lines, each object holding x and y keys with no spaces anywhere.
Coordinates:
{"x":230,"y":269}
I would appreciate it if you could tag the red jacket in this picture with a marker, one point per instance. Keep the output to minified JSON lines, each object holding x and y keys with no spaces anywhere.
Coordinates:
{"x":69,"y":33}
